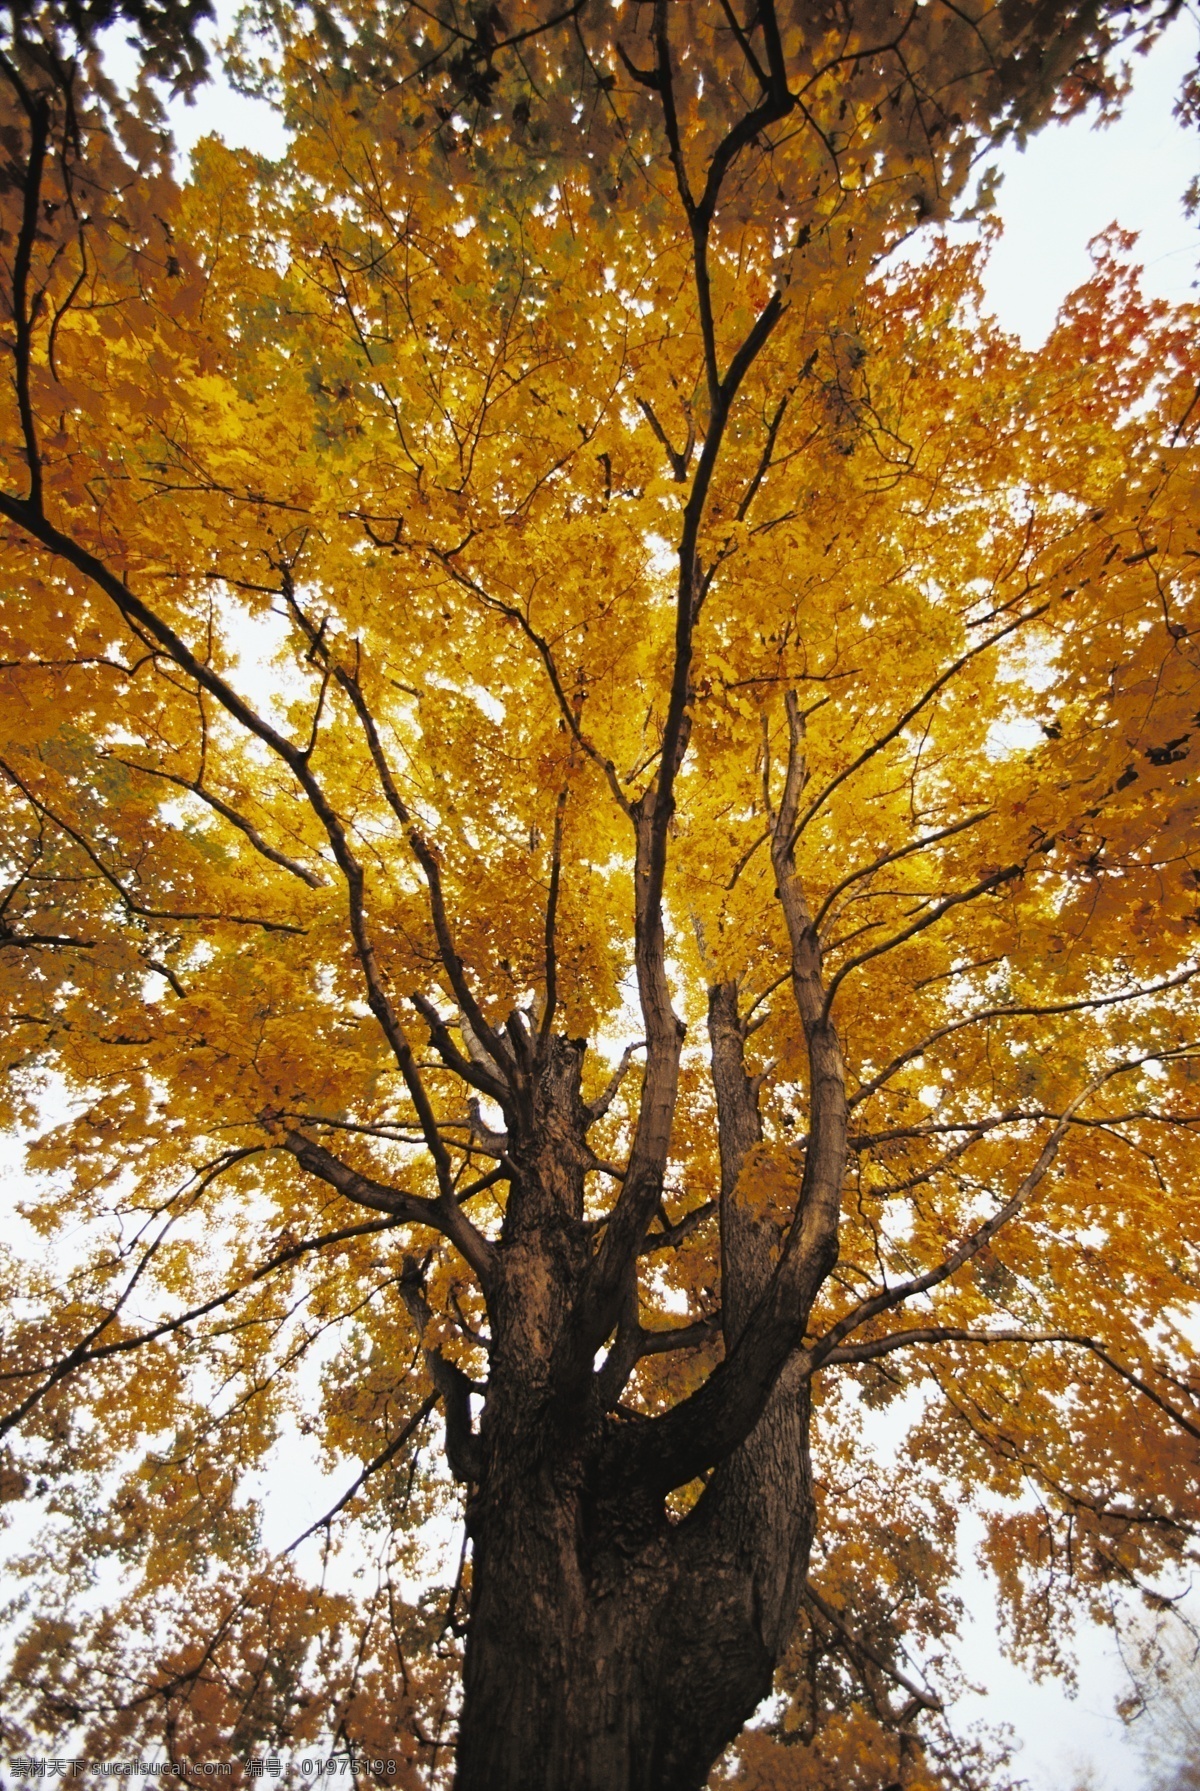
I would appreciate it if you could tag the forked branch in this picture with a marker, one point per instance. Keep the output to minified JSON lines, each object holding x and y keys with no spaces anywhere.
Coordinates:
{"x":443,"y":1215}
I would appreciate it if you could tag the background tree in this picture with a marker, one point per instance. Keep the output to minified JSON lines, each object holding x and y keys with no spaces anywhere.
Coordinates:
{"x":600,"y":854}
{"x":1169,"y":1725}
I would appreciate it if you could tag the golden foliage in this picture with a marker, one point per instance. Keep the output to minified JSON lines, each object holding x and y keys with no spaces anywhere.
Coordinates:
{"x":342,"y":507}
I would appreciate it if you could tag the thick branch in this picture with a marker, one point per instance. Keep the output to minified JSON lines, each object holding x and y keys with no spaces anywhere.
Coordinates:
{"x":468,"y":1068}
{"x":811,"y":1248}
{"x":697,"y":1335}
{"x":443,"y":1215}
{"x":642,"y":1190}
{"x":671,"y":1236}
{"x":551,"y":951}
{"x":702,"y":1430}
{"x":598,"y":1308}
{"x":10,"y":941}
{"x":749,"y":1240}
{"x":633,"y":1342}
{"x":679,"y":460}
{"x":39,"y":128}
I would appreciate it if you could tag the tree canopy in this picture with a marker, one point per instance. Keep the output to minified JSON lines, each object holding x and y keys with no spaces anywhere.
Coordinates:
{"x":600,"y":886}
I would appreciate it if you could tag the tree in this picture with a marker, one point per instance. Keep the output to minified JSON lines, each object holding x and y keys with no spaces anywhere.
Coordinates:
{"x":1170,"y":1716}
{"x":600,"y":851}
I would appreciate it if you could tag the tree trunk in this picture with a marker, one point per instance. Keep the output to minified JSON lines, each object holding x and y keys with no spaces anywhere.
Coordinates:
{"x":611,"y":1646}
{"x":623,"y":1652}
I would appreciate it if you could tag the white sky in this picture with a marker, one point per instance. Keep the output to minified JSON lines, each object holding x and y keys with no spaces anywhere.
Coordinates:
{"x":1068,"y":185}
{"x":1072,"y":182}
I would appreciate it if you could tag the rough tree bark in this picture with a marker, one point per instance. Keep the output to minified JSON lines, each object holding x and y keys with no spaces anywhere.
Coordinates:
{"x":609,"y":1646}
